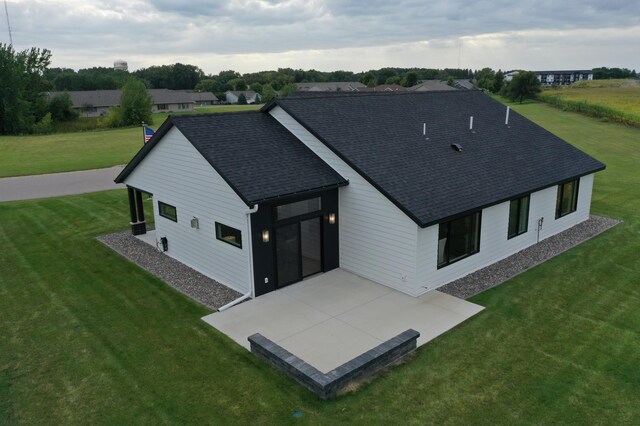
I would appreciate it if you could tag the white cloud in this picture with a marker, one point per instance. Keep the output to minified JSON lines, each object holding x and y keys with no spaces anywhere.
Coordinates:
{"x":250,"y":35}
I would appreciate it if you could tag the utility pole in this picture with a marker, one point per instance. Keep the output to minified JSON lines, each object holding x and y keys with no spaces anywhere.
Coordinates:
{"x":6,"y":12}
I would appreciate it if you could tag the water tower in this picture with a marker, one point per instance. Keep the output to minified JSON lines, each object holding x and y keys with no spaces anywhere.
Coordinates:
{"x":120,"y":65}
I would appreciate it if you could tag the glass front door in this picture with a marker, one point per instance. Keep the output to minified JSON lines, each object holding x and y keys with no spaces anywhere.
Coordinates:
{"x":298,"y":250}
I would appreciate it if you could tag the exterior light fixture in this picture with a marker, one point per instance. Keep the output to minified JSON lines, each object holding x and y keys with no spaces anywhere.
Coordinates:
{"x":195,"y":223}
{"x":265,"y":236}
{"x":332,"y":218}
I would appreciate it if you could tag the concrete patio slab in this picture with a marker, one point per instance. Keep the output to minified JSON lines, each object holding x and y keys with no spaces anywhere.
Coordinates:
{"x":333,"y":317}
{"x":339,"y":341}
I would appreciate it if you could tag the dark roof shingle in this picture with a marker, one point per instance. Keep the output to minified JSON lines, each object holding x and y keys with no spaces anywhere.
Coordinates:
{"x":381,"y":137}
{"x":253,"y":153}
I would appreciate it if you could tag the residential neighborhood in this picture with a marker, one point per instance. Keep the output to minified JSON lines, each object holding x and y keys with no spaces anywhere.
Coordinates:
{"x":96,"y":103}
{"x":320,"y":213}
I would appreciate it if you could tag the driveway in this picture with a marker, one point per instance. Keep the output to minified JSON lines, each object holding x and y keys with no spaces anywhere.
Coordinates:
{"x":57,"y":184}
{"x":331,"y":318}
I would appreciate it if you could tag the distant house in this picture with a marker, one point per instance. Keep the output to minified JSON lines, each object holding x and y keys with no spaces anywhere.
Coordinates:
{"x":556,"y":78}
{"x":431,"y":86}
{"x":251,"y":96}
{"x":342,"y":86}
{"x":96,"y":103}
{"x":387,"y":88}
{"x":402,"y":189}
{"x":203,"y":98}
{"x":464,"y":84}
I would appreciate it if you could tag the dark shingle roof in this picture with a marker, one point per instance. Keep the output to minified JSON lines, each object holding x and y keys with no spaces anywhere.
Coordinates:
{"x":381,"y":137}
{"x":108,"y":98}
{"x":253,"y":153}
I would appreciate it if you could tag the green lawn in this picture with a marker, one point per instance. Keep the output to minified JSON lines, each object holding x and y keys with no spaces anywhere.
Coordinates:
{"x":87,"y":337}
{"x":64,"y":152}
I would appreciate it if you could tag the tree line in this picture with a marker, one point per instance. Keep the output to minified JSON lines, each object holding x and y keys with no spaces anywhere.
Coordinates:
{"x":25,"y":79}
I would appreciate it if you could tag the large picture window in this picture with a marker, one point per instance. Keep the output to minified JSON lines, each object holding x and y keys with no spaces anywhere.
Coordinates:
{"x":458,"y":239}
{"x":518,"y":216}
{"x":167,"y":211}
{"x":567,"y":201}
{"x":229,"y":235}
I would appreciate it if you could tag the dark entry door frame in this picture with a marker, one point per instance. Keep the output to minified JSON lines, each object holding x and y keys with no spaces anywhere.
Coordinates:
{"x":265,"y":228}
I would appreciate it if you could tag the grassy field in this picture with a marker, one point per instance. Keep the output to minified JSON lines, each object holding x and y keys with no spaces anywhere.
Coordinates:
{"x":621,"y":97}
{"x":87,"y":337}
{"x":64,"y":152}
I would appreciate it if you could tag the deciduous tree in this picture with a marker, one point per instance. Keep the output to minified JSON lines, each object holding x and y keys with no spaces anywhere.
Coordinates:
{"x":288,"y":89}
{"x":268,"y":93}
{"x":524,"y":85}
{"x":22,"y":83}
{"x":135,"y":106}
{"x":61,"y":108}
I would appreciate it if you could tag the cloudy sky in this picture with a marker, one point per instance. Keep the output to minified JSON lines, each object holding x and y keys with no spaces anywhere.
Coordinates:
{"x":356,"y":35}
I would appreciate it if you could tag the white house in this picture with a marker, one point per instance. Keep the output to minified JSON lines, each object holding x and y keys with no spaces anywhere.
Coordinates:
{"x":232,"y":96}
{"x":411,"y":191}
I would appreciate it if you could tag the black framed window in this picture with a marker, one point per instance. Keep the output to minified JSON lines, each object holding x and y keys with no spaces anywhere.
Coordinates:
{"x":285,"y":211}
{"x":229,"y":235}
{"x":567,"y":201}
{"x":167,"y":211}
{"x":458,"y":238}
{"x":518,"y":216}
{"x":163,"y":107}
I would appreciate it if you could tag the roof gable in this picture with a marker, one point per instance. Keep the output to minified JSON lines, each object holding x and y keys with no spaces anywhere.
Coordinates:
{"x":253,"y":153}
{"x":381,"y":137}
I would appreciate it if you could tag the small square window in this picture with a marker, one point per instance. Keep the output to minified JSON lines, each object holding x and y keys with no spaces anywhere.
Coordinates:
{"x":167,"y":211}
{"x":229,"y":235}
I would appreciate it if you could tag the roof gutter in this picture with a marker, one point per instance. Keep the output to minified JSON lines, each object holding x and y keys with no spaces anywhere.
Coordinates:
{"x":306,"y":191}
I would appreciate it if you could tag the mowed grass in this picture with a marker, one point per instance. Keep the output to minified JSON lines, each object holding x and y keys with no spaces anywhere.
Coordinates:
{"x":87,"y":337}
{"x":64,"y":152}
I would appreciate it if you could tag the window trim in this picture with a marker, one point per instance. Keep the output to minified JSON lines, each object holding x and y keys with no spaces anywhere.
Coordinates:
{"x":526,"y":227}
{"x":160,"y":204}
{"x":218,"y":228}
{"x":560,"y":195}
{"x":444,"y":265}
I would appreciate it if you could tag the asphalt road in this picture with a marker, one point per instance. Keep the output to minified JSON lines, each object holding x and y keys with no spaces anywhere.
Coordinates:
{"x":57,"y":184}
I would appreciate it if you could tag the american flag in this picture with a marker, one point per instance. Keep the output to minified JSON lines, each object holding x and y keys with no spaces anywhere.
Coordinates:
{"x":148,"y":132}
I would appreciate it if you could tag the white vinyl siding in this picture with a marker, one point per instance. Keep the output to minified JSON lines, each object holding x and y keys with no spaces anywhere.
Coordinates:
{"x":494,"y":244}
{"x":176,"y":174}
{"x":377,"y":240}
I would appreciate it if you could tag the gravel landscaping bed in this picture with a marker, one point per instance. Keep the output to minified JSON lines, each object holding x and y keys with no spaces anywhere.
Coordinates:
{"x":179,"y":276}
{"x":499,"y":272}
{"x":213,"y":294}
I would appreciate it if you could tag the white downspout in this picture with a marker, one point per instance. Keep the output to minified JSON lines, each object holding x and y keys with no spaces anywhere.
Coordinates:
{"x":251,"y":283}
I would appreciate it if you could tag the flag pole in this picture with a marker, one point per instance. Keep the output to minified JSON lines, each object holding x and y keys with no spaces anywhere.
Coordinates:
{"x":144,"y":135}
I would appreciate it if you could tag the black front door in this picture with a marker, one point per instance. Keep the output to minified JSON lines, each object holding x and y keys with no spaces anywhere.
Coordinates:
{"x":298,"y":250}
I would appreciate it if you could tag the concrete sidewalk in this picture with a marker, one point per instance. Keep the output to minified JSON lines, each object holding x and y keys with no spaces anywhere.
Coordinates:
{"x":57,"y":184}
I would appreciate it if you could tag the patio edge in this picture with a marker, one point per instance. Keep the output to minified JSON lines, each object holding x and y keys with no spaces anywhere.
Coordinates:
{"x":328,"y":385}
